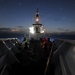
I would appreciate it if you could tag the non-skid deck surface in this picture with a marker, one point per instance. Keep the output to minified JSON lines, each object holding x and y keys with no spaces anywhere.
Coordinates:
{"x":32,"y":61}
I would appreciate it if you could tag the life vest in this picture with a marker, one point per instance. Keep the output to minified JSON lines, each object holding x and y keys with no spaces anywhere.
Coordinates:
{"x":44,"y":43}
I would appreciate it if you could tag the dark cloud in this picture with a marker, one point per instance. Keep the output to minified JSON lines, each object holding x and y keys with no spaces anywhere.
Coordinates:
{"x":10,"y":30}
{"x":5,"y":29}
{"x":72,"y":32}
{"x":62,"y":29}
{"x":20,"y":26}
{"x":67,"y":30}
{"x":13,"y":30}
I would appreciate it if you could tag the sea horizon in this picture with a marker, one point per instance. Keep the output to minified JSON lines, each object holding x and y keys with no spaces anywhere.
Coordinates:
{"x":20,"y":36}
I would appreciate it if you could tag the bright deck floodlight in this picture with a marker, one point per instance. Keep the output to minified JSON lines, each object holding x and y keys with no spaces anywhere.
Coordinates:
{"x":42,"y":30}
{"x":31,"y":30}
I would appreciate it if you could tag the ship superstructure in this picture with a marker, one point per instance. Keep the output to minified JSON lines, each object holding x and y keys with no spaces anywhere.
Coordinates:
{"x":36,"y":28}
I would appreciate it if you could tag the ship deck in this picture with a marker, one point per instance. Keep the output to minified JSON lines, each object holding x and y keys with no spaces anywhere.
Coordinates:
{"x":35,"y":60}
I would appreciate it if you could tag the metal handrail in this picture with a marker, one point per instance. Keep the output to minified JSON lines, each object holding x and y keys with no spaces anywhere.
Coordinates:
{"x":49,"y":60}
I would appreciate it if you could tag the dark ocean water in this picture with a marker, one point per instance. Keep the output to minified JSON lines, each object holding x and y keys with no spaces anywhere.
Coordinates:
{"x":63,"y":36}
{"x":20,"y":36}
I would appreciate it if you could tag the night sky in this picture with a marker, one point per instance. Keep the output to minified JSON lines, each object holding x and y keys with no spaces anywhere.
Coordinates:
{"x":55,"y":15}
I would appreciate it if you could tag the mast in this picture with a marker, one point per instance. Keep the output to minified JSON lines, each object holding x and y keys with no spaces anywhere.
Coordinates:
{"x":36,"y":27}
{"x":37,"y":16}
